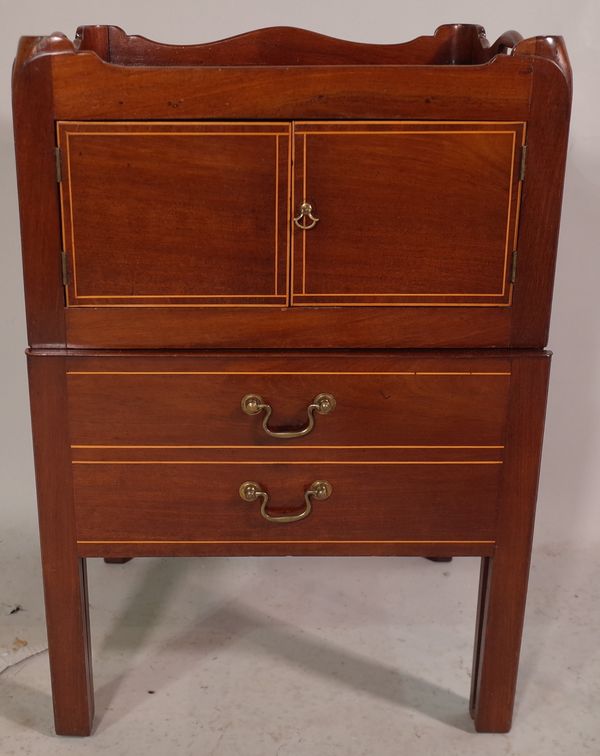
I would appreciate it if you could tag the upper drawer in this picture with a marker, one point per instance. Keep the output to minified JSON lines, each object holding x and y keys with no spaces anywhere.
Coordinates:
{"x":415,"y":213}
{"x":164,"y":214}
{"x":396,"y":402}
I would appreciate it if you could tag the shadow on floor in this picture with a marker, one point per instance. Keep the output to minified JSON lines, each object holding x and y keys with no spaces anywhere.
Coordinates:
{"x":26,"y":706}
{"x":235,"y":622}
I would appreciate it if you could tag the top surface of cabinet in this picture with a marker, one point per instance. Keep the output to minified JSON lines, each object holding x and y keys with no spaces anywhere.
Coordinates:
{"x":432,"y":171}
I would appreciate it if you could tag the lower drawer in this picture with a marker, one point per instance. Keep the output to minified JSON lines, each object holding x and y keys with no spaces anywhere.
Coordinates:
{"x":200,"y":502}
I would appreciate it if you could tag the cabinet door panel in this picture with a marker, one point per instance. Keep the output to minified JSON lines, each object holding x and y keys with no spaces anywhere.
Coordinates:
{"x":175,"y":214}
{"x":409,"y":213}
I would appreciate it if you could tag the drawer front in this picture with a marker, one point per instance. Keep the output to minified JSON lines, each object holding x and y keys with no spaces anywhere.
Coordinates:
{"x":386,"y":402}
{"x":199,"y":502}
{"x":175,"y":214}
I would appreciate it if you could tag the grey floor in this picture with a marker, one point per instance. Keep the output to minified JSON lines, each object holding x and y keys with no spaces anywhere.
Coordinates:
{"x":295,"y":657}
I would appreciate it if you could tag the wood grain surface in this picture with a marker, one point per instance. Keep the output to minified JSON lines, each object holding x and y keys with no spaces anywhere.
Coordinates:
{"x":504,"y":577}
{"x":276,"y":46}
{"x":64,"y":571}
{"x":413,"y":214}
{"x":183,"y":501}
{"x":196,"y":401}
{"x":176,"y":213}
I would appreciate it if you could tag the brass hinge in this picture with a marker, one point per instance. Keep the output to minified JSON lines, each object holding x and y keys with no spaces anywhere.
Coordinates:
{"x":523,"y":163}
{"x":513,"y":267}
{"x":58,"y":163}
{"x":64,"y":268}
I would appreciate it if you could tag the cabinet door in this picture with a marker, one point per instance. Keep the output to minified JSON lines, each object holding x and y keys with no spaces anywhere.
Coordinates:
{"x":409,"y":213}
{"x":175,"y":214}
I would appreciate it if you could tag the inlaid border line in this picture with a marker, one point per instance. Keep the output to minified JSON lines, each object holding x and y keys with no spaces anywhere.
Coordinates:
{"x":404,"y":132}
{"x":294,"y":541}
{"x":278,"y":462}
{"x":281,"y":372}
{"x":273,"y":447}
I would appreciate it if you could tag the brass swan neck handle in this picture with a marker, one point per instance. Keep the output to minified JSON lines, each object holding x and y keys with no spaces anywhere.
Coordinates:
{"x":251,"y":491}
{"x":322,"y":404}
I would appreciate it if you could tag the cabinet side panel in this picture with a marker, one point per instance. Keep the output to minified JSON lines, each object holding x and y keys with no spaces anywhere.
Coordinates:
{"x":38,"y":199}
{"x":547,"y":135}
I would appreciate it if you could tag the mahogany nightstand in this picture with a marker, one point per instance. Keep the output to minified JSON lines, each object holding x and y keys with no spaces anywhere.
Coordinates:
{"x":289,"y":295}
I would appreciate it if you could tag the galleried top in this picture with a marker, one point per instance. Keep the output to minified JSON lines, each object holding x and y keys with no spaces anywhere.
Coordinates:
{"x":450,"y":45}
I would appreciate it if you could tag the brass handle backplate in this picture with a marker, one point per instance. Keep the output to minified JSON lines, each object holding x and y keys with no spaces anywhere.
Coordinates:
{"x":322,"y":404}
{"x":305,"y":212}
{"x":251,"y":491}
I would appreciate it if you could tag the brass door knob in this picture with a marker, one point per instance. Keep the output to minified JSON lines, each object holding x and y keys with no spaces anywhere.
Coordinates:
{"x":305,"y":213}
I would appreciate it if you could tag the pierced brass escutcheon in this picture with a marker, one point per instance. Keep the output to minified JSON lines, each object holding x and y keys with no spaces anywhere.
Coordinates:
{"x":322,"y":404}
{"x":305,"y":212}
{"x":319,"y":489}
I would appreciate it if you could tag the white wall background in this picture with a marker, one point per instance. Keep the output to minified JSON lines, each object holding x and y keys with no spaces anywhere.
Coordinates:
{"x":569,"y":502}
